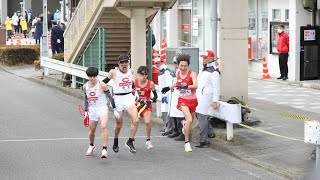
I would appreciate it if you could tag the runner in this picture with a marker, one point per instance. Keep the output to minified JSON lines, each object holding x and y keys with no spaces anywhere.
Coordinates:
{"x":144,"y":87}
{"x":96,"y":108}
{"x":187,"y":101}
{"x":124,"y":100}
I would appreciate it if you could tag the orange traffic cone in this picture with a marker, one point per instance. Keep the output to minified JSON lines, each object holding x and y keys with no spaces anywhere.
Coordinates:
{"x":11,"y":41}
{"x":18,"y":42}
{"x":265,"y":71}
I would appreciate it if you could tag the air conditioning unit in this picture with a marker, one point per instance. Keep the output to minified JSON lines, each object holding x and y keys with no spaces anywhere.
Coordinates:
{"x":308,"y":4}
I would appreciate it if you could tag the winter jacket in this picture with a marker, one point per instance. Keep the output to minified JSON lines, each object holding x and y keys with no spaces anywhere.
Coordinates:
{"x":282,"y":42}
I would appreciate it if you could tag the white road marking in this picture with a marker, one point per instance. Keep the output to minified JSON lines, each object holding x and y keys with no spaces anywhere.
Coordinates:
{"x":64,"y":139}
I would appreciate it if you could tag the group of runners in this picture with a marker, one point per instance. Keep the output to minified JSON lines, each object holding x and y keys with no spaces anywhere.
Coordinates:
{"x":134,"y":96}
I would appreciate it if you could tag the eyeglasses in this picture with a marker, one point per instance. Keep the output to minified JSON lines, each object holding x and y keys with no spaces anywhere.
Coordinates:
{"x":123,"y":61}
{"x":143,"y":74}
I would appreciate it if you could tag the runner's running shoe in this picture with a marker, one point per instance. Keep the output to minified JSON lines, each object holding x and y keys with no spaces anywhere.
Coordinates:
{"x":115,"y":146}
{"x":104,"y":153}
{"x":131,"y":147}
{"x":90,"y":150}
{"x":187,"y":147}
{"x":149,"y":145}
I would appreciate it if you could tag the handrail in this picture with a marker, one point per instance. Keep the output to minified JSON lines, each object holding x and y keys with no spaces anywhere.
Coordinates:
{"x":69,"y":68}
{"x":83,"y":14}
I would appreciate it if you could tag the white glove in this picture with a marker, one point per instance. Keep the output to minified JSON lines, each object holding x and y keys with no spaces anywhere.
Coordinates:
{"x":136,"y":96}
{"x":116,"y":113}
{"x":58,"y":41}
{"x":86,"y":114}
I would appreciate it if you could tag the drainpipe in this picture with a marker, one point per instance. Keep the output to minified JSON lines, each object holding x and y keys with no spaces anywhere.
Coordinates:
{"x":214,"y":20}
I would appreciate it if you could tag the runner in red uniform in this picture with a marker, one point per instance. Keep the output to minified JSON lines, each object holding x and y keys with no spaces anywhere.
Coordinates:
{"x":144,"y":87}
{"x":187,"y":102}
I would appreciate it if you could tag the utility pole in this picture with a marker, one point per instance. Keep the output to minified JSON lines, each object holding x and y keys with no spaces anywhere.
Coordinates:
{"x":44,"y":49}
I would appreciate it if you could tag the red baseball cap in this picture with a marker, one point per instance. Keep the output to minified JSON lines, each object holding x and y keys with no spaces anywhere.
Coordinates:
{"x":208,"y":53}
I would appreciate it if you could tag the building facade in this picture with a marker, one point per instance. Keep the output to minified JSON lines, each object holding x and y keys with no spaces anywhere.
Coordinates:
{"x":190,"y":23}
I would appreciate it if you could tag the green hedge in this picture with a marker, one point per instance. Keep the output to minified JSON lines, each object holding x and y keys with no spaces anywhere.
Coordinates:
{"x":14,"y":55}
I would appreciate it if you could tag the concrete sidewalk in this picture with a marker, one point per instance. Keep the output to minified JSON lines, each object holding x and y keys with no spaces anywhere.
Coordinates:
{"x":289,"y":158}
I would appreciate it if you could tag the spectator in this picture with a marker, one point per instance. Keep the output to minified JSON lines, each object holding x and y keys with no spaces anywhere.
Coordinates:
{"x":38,"y":30}
{"x":283,"y":50}
{"x":8,"y":28}
{"x":49,"y":20}
{"x":24,"y":27}
{"x":56,"y":38}
{"x":15,"y":22}
{"x":176,"y":116}
{"x":164,"y":80}
{"x":56,"y":16}
{"x":208,"y":93}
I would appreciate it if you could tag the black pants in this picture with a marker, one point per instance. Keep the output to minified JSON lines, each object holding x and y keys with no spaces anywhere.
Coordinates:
{"x":283,"y":64}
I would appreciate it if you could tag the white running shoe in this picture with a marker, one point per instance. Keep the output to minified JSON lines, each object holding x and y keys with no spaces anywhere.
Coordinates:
{"x":104,"y":153}
{"x":90,"y":150}
{"x":149,"y":145}
{"x":187,"y":147}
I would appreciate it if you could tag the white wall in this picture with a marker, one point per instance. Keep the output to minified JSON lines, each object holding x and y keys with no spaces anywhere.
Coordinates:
{"x":301,"y":17}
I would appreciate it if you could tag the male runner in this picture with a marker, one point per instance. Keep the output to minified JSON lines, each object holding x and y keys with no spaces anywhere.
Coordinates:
{"x":144,"y":87}
{"x":96,"y":107}
{"x":124,"y":100}
{"x":187,"y":101}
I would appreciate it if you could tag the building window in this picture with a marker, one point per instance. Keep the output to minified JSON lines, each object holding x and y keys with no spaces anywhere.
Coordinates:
{"x":287,"y":14}
{"x":276,"y":15}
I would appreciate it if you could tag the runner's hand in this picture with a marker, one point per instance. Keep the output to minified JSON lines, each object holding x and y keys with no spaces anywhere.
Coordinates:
{"x":86,"y":114}
{"x":136,"y":96}
{"x":183,"y":86}
{"x":116,"y":114}
{"x":154,"y":99}
{"x":215,"y":105}
{"x":165,"y":90}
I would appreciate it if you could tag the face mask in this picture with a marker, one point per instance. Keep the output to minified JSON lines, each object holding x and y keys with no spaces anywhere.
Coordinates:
{"x":280,"y":30}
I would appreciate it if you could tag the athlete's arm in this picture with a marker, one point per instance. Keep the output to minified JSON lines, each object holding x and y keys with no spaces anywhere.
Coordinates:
{"x":86,"y":104}
{"x":153,"y":89}
{"x":109,"y":96}
{"x":110,"y":76}
{"x":194,"y":81}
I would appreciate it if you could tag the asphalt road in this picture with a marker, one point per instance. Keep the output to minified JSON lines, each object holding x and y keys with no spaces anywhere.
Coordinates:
{"x":42,"y":137}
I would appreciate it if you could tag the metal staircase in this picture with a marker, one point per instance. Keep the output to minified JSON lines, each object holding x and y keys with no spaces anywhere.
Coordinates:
{"x":107,"y":14}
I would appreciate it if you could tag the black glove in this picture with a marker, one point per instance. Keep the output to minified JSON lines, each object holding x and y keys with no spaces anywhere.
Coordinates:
{"x":142,"y":102}
{"x":182,"y":86}
{"x":154,"y":99}
{"x":165,"y":90}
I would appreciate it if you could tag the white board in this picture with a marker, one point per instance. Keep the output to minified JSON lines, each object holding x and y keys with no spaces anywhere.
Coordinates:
{"x":227,"y":112}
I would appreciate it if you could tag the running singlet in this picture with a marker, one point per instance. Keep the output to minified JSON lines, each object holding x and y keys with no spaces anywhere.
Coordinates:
{"x":144,"y":92}
{"x":186,"y":93}
{"x":123,"y":82}
{"x":95,"y":97}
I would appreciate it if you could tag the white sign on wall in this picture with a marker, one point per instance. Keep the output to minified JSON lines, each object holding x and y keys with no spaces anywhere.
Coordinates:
{"x":310,"y":35}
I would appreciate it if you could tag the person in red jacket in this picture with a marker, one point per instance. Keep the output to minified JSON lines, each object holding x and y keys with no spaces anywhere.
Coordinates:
{"x":283,"y":50}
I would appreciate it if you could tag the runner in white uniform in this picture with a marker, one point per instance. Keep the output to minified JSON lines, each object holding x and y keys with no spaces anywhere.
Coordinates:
{"x":96,"y":107}
{"x":124,"y":100}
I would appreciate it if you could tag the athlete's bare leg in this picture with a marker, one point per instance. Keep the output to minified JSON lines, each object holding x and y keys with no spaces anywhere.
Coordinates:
{"x":147,"y":120}
{"x":104,"y":129}
{"x":188,"y":117}
{"x":118,"y":125}
{"x":133,"y":112}
{"x":92,"y":132}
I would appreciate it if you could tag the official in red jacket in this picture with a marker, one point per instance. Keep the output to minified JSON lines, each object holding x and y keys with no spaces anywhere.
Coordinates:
{"x":283,"y":50}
